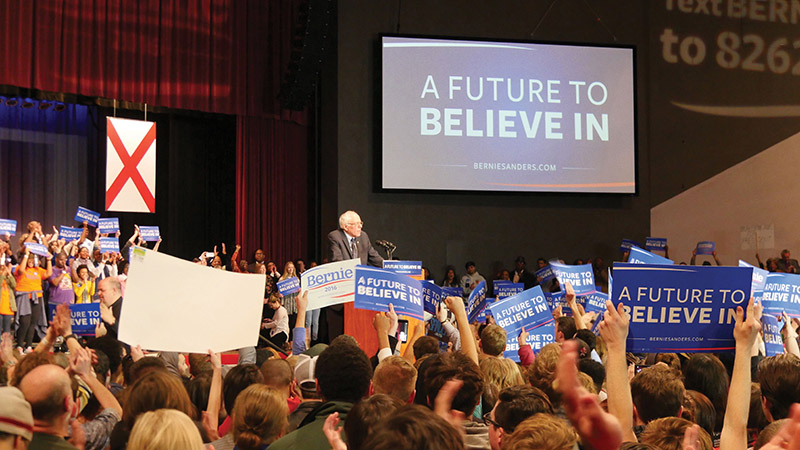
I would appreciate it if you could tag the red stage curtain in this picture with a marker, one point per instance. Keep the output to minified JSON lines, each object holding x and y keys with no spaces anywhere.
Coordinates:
{"x":221,"y":56}
{"x":272,"y":191}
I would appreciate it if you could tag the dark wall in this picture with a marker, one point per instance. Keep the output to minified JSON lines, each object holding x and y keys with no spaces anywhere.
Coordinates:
{"x":491,"y":229}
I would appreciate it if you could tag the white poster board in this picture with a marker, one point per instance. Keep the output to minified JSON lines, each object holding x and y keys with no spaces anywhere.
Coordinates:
{"x":330,"y":284}
{"x":175,"y":305}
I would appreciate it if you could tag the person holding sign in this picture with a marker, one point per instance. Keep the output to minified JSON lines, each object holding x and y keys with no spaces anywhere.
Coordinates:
{"x":8,"y":305}
{"x":30,"y":302}
{"x":787,"y":264}
{"x":84,"y":288}
{"x":289,"y":300}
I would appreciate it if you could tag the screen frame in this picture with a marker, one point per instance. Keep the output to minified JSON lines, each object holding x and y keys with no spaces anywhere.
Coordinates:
{"x":378,"y":120}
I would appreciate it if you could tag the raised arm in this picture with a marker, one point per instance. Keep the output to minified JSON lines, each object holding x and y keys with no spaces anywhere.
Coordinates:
{"x":81,"y":364}
{"x":614,"y":330}
{"x":790,"y":334}
{"x":417,"y":332}
{"x":299,"y":332}
{"x":468,"y":345}
{"x":734,"y":428}
{"x":211,"y":414}
{"x":577,"y":316}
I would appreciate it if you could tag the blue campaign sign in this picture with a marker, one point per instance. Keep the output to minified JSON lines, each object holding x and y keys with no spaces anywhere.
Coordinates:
{"x":680,"y":308}
{"x":476,"y":301}
{"x":109,"y":244}
{"x":581,"y":277}
{"x":773,"y":343}
{"x":149,"y":233}
{"x":505,"y":288}
{"x":524,"y":310}
{"x":87,"y":215}
{"x":596,"y":324}
{"x":545,"y":274}
{"x":452,"y":292}
{"x":639,"y":256}
{"x":289,"y":286}
{"x":627,"y":244}
{"x":436,"y":329}
{"x":69,"y":233}
{"x":759,"y":280}
{"x":84,"y":317}
{"x":705,"y":247}
{"x":595,"y":302}
{"x":108,"y":225}
{"x":376,"y":288}
{"x":539,"y":336}
{"x":782,"y":293}
{"x":481,"y":317}
{"x":410,"y":268}
{"x":431,"y":296}
{"x":556,"y":299}
{"x":654,"y":243}
{"x":37,"y":249}
{"x":8,"y":226}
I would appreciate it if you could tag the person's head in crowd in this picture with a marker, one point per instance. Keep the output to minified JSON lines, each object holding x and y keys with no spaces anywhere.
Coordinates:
{"x":779,"y":377}
{"x":123,"y":267}
{"x":83,"y":272}
{"x":505,"y":275}
{"x":657,"y":392}
{"x":112,"y":349}
{"x":237,"y":380}
{"x":16,"y":419}
{"x":61,"y":260}
{"x":165,"y":429}
{"x":271,"y":267}
{"x":199,"y":364}
{"x":343,"y":372}
{"x":670,"y":359}
{"x":455,"y":366}
{"x":259,"y":417}
{"x":541,"y":263}
{"x":772,"y":264}
{"x":501,"y":372}
{"x":289,"y":270}
{"x":274,"y":301}
{"x":595,"y":370}
{"x":259,"y":256}
{"x":450,"y":275}
{"x":519,"y":263}
{"x":216,"y":262}
{"x":304,"y":374}
{"x":637,"y":446}
{"x":565,"y":328}
{"x":756,"y":419}
{"x":365,"y":414}
{"x":109,"y":290}
{"x":414,"y":426}
{"x":786,"y":255}
{"x":667,"y":433}
{"x":48,"y":389}
{"x":278,"y":375}
{"x":425,"y":345}
{"x":470,"y":267}
{"x":155,"y":390}
{"x":543,"y":371}
{"x":351,"y":223}
{"x":578,"y":262}
{"x":83,"y":253}
{"x":584,"y":352}
{"x":300,"y":265}
{"x":697,"y":408}
{"x":395,"y":376}
{"x":541,"y":431}
{"x":769,"y":432}
{"x":199,"y":389}
{"x":493,"y":340}
{"x":142,"y":367}
{"x":27,"y":364}
{"x":97,"y":254}
{"x":705,"y":373}
{"x":514,"y":404}
{"x":587,"y":337}
{"x":344,"y":339}
{"x":102,"y":368}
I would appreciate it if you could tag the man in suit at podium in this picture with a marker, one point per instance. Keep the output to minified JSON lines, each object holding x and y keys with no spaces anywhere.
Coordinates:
{"x":348,"y":242}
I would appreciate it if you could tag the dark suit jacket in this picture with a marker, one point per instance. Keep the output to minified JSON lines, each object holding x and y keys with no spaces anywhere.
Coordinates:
{"x":340,"y":249}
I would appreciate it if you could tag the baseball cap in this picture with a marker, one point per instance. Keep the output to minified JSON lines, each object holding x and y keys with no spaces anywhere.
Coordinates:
{"x":15,"y":413}
{"x":304,"y":372}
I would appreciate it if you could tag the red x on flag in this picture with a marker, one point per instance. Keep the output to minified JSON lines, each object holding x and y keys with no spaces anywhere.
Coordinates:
{"x":130,"y":165}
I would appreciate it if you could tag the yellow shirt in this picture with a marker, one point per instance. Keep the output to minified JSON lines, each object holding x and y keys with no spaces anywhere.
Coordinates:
{"x":82,"y":288}
{"x":5,"y":300}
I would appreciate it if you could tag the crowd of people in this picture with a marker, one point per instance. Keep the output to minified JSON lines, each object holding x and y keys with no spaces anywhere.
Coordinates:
{"x":582,"y":391}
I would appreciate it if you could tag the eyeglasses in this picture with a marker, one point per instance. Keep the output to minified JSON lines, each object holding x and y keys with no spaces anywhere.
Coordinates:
{"x":487,"y":420}
{"x":356,"y":223}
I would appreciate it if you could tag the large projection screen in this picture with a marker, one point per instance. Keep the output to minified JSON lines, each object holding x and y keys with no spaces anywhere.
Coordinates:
{"x":469,"y":115}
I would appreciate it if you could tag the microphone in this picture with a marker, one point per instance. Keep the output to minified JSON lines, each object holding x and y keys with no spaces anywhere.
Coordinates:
{"x":386,"y":244}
